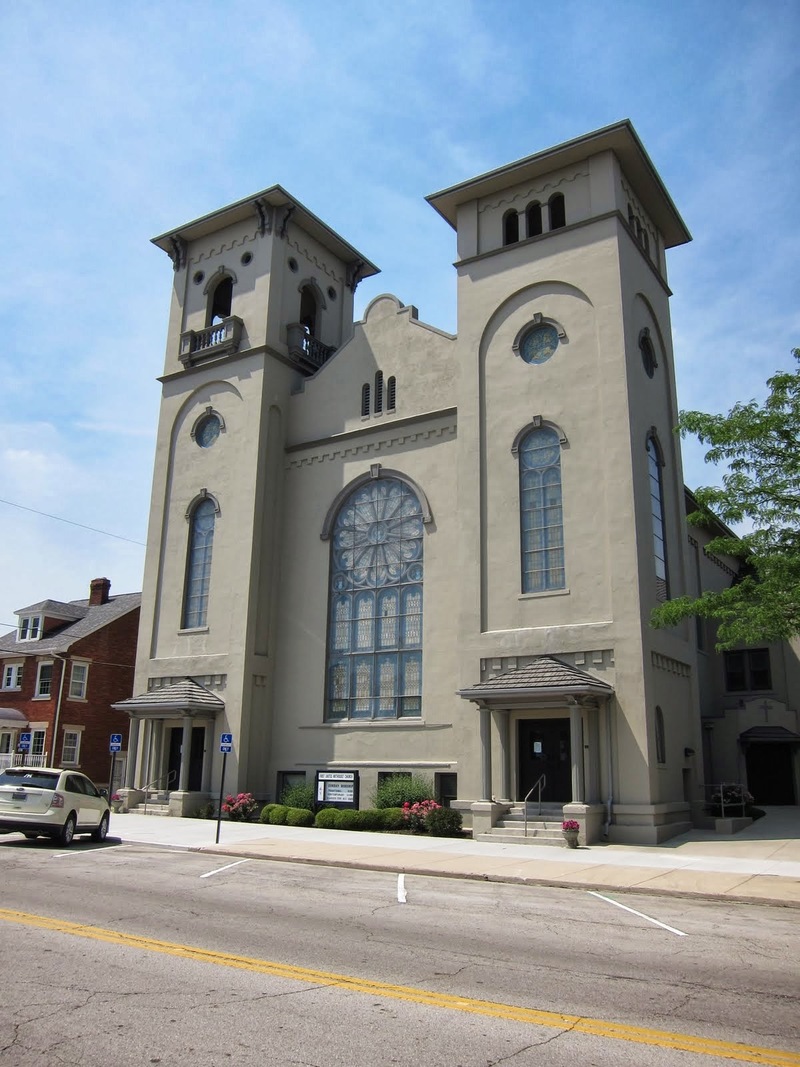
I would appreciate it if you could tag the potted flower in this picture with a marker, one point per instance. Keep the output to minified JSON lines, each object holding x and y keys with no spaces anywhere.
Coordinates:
{"x":570,"y":828}
{"x":116,"y":803}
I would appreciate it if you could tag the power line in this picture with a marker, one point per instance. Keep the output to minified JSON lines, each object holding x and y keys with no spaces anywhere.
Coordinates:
{"x":70,"y":522}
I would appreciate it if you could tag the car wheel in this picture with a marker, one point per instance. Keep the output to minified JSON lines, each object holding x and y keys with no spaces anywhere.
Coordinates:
{"x":101,"y":832}
{"x":67,"y":831}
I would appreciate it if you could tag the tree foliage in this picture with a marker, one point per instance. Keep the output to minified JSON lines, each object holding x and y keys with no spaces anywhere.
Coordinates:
{"x":760,"y":446}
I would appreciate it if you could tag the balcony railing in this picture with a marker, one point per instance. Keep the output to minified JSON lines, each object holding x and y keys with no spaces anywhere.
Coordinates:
{"x":22,"y":759}
{"x":221,"y":339}
{"x":305,"y":349}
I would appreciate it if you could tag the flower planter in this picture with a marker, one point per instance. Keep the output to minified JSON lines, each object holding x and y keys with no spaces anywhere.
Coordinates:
{"x":571,"y":838}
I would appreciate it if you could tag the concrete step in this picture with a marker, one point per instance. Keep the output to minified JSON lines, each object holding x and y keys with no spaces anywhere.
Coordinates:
{"x":153,"y":808}
{"x":499,"y":836}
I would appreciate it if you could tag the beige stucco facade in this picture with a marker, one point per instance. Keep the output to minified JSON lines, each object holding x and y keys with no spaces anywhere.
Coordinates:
{"x":302,"y":420}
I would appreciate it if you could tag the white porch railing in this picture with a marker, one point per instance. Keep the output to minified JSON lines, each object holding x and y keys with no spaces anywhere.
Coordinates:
{"x":22,"y":759}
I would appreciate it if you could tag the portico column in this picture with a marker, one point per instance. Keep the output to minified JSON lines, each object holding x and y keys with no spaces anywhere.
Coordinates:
{"x":503,"y":727}
{"x":486,"y":754}
{"x":186,"y":748}
{"x":576,"y":747}
{"x":133,"y":753}
{"x":207,"y":750}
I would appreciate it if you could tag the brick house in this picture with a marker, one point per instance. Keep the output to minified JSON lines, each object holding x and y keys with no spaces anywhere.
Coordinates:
{"x":62,"y":669}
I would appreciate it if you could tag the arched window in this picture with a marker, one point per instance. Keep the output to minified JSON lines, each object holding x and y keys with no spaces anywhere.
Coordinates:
{"x":661,"y":740}
{"x":649,"y":360}
{"x":558,"y":211}
{"x":365,"y":398}
{"x":378,"y":391}
{"x":219,"y":305}
{"x":308,"y":310}
{"x":654,"y":466}
{"x":510,"y":228}
{"x":375,"y":605}
{"x":198,"y":564}
{"x":391,"y":394}
{"x":533,"y":219}
{"x":541,"y":521}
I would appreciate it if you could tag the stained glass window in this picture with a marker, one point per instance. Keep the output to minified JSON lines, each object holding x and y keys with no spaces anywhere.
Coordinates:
{"x":375,"y":598}
{"x":657,"y":516}
{"x":541,"y":519}
{"x":198,"y":565}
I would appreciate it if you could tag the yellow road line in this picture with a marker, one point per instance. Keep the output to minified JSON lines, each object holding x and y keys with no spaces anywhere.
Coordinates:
{"x":577,"y":1023}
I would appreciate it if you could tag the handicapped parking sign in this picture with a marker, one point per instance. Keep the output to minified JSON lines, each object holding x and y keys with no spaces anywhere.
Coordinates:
{"x":226,"y":742}
{"x":115,"y":744}
{"x":25,"y":741}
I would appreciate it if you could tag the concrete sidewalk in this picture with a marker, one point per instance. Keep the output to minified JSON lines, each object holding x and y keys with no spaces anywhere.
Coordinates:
{"x":759,"y":865}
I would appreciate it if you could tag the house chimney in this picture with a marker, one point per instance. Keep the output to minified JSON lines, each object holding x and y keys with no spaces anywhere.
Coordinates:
{"x":99,"y":589}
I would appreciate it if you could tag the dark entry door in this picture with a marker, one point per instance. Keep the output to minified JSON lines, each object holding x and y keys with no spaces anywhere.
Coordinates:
{"x":544,"y":749}
{"x":195,"y":782}
{"x":769,"y":774}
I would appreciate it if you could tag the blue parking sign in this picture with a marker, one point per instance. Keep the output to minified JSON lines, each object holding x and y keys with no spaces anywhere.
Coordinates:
{"x":115,"y":744}
{"x":25,"y":740}
{"x":226,"y":742}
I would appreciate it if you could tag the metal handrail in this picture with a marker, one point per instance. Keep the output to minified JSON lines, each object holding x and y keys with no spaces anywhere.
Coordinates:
{"x":540,"y":783}
{"x":170,"y":776}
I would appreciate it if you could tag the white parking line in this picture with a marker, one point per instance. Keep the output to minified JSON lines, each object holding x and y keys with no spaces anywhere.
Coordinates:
{"x":76,"y":852}
{"x":401,"y":889}
{"x":641,"y":915}
{"x":227,"y":867}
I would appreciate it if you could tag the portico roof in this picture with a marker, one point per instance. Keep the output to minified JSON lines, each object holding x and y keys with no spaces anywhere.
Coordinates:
{"x":543,"y":677}
{"x":183,"y":696}
{"x":13,"y":717}
{"x":770,"y":735}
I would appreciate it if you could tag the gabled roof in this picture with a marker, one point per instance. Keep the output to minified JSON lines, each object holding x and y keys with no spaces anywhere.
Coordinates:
{"x":770,"y":735}
{"x":55,"y":608}
{"x":185,"y":695}
{"x":93,"y":617}
{"x":542,"y":677}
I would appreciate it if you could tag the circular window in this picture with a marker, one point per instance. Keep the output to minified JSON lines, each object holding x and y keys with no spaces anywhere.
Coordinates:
{"x":247,"y":257}
{"x":293,"y":265}
{"x":538,"y":344}
{"x":198,"y":277}
{"x":648,"y":353}
{"x":208,"y":430}
{"x":331,"y":293}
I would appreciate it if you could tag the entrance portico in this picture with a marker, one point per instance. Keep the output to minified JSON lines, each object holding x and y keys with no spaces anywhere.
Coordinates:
{"x":171,"y":742}
{"x":545,"y":717}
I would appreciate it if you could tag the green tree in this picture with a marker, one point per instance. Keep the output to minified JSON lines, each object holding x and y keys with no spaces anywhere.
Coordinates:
{"x":760,"y":445}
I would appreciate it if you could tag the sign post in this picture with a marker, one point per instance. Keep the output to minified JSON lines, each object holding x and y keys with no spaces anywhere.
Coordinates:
{"x":114,"y":746}
{"x":225,"y":746}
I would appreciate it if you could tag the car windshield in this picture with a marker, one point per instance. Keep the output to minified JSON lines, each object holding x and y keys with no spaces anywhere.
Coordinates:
{"x":31,"y":779}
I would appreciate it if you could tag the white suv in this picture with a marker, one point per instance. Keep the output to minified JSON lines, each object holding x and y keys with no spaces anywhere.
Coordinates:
{"x":48,"y":801}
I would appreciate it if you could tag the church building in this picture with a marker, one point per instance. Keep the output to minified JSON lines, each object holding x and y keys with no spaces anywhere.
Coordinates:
{"x":378,"y":548}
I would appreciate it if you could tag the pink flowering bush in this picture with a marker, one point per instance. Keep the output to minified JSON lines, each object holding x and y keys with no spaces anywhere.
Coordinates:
{"x":570,"y":824}
{"x":240,"y":808}
{"x":415,"y":815}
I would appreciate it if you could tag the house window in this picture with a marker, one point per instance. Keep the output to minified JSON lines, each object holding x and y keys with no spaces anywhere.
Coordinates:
{"x":391,"y":394}
{"x":365,"y":391}
{"x":558,"y":211}
{"x":378,"y":391}
{"x":533,"y":219}
{"x":748,"y":671}
{"x":374,"y":666}
{"x":37,"y":743}
{"x":5,"y":742}
{"x":44,"y":680}
{"x":661,"y":740}
{"x":77,"y":683}
{"x":12,"y":676}
{"x":510,"y":228}
{"x":654,"y":466}
{"x":198,"y":565}
{"x":71,"y":747}
{"x":30,"y":628}
{"x":541,"y":520}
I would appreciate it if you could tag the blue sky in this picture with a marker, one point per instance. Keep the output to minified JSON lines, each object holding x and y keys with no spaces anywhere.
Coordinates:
{"x":121,"y":121}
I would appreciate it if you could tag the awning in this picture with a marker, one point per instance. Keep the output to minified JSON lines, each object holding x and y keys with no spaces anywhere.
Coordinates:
{"x":769,"y":735}
{"x":544,"y":678}
{"x":12,"y":717}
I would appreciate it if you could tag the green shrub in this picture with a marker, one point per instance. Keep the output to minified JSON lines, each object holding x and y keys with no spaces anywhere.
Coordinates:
{"x":299,"y":817}
{"x":393,"y":819}
{"x":300,"y":795}
{"x":277,"y":817}
{"x":265,"y":812}
{"x":443,"y":822}
{"x":369,"y":819}
{"x":327,"y":819}
{"x":395,"y":792}
{"x":348,"y":819}
{"x":206,"y":811}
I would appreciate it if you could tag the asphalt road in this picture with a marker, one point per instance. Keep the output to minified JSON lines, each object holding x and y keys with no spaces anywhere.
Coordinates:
{"x":134,"y":955}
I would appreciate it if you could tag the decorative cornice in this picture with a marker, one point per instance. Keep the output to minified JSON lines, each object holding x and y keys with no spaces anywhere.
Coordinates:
{"x":177,"y":252}
{"x":265,"y":213}
{"x":371,"y":439}
{"x":533,"y":192}
{"x":672,"y":666}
